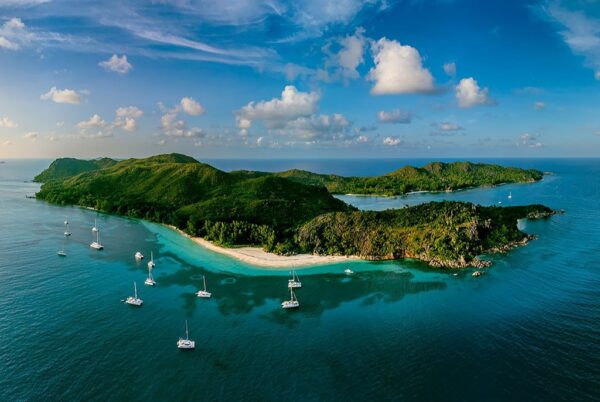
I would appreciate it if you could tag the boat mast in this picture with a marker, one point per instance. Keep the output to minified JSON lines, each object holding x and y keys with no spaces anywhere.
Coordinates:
{"x":135,"y":289}
{"x":187,"y":336}
{"x":204,"y":280}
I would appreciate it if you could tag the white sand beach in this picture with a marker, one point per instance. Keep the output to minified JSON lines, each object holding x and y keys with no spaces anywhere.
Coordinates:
{"x":259,"y":257}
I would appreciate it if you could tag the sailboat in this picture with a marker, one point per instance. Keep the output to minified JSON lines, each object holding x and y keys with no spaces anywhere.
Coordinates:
{"x":151,"y":263}
{"x":67,"y":233}
{"x":95,"y":228}
{"x":150,"y":280}
{"x":292,"y":303}
{"x":96,"y":244}
{"x":139,"y":256}
{"x":134,"y":300}
{"x":294,"y":283}
{"x":61,"y":252}
{"x":510,"y":195}
{"x":203,"y":293}
{"x":186,"y":343}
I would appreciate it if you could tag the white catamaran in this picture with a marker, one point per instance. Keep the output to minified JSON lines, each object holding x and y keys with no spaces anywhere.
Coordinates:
{"x":67,"y":233}
{"x":294,"y":283}
{"x":134,"y":300}
{"x":96,"y":244}
{"x":151,"y":263}
{"x":204,"y":293}
{"x":61,"y":252}
{"x":186,"y":343}
{"x":150,"y":279}
{"x":292,"y":303}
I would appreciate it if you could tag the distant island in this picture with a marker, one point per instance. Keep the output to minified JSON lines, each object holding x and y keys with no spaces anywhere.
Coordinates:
{"x":294,"y":211}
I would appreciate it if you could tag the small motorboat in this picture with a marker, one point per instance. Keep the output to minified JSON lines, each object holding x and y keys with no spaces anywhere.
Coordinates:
{"x":139,"y":256}
{"x":477,"y":273}
{"x":348,"y":271}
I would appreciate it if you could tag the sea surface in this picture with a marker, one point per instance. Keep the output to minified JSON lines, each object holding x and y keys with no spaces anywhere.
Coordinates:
{"x":528,"y":330}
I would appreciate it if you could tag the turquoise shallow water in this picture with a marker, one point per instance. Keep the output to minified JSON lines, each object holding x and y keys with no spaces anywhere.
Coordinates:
{"x":528,"y":330}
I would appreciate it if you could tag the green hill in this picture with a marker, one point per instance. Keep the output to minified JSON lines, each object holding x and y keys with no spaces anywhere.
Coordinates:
{"x":449,"y":234}
{"x":181,"y":191}
{"x":67,"y":167}
{"x":436,"y":176}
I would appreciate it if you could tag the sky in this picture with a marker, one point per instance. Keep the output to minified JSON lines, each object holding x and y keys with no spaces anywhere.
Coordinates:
{"x":300,"y":79}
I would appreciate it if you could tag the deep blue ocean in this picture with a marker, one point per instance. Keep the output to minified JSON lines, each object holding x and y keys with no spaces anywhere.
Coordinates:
{"x":528,"y":330}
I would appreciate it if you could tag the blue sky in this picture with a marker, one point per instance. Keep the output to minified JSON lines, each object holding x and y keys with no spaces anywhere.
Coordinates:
{"x":312,"y":78}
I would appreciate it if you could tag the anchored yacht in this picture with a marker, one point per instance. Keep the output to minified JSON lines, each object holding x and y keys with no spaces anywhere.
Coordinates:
{"x":186,"y":343}
{"x":292,"y":303}
{"x":204,"y":293}
{"x":134,"y":300}
{"x":294,"y":283}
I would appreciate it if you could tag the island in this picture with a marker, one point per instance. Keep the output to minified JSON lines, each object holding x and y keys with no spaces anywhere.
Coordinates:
{"x":293,"y":212}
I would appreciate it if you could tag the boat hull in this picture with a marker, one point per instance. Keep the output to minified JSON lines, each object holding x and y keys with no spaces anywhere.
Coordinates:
{"x":290,"y":304}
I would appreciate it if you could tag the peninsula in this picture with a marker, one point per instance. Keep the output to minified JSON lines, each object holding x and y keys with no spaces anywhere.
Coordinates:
{"x":294,"y":212}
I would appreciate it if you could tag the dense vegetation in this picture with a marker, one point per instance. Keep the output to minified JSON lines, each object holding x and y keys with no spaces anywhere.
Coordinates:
{"x":436,"y":176}
{"x":441,"y":233}
{"x":67,"y":167}
{"x":293,"y":211}
{"x":178,"y":190}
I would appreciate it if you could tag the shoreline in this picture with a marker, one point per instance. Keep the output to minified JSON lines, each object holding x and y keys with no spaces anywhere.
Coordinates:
{"x":457,"y":190}
{"x":258,"y":257}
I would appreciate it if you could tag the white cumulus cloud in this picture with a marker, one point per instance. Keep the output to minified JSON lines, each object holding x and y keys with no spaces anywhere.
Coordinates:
{"x":398,"y":69}
{"x":450,"y":69}
{"x":5,"y":122}
{"x":539,"y":105}
{"x":530,"y":140}
{"x":342,"y":63}
{"x":191,"y":107}
{"x":116,"y":64}
{"x":12,"y":31}
{"x":392,"y":141}
{"x":62,"y":96}
{"x":93,"y":122}
{"x":395,"y":116}
{"x":319,"y":127}
{"x":174,"y":127}
{"x":276,"y":112}
{"x":447,"y":126}
{"x":126,"y":118}
{"x":469,"y":94}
